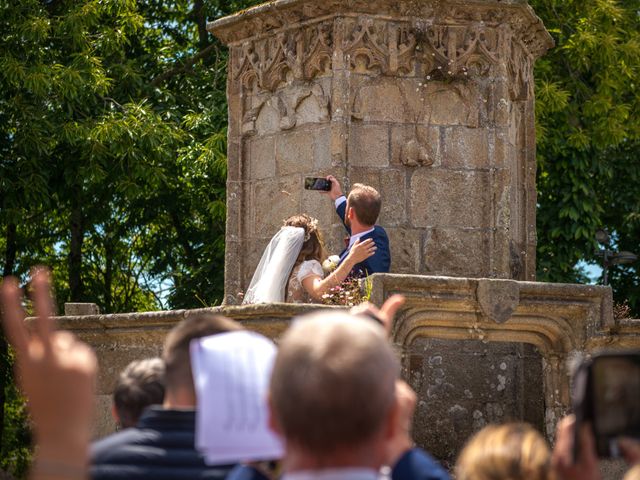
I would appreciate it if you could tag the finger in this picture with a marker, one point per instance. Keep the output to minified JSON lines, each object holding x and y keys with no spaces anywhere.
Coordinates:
{"x":42,"y":303}
{"x":630,"y":449}
{"x":392,"y":305}
{"x":562,"y":453}
{"x":362,"y":308}
{"x":588,"y":453}
{"x":13,"y":315}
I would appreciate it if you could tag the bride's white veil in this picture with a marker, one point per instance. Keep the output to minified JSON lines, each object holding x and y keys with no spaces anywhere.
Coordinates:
{"x":270,"y":278}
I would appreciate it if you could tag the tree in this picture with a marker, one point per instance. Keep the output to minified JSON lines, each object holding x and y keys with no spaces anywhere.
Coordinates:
{"x":113,"y":151}
{"x":588,"y":133}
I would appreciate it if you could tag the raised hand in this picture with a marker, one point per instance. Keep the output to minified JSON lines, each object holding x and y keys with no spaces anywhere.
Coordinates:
{"x":384,"y":314}
{"x":360,"y":251}
{"x":336,"y":190}
{"x":585,"y":467}
{"x":57,"y":375}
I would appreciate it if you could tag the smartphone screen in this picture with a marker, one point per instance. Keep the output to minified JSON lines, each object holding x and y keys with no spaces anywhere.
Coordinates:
{"x":615,"y":392}
{"x":317,"y":183}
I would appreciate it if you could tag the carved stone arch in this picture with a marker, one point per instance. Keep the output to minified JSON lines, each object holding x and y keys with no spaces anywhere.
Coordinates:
{"x":549,"y":334}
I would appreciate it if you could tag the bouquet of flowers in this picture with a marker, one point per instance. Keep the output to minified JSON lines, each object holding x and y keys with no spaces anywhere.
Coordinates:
{"x":353,"y":291}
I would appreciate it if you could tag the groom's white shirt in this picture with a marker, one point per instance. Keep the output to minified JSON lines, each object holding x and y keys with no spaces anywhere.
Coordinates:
{"x":334,"y":474}
{"x":339,"y":201}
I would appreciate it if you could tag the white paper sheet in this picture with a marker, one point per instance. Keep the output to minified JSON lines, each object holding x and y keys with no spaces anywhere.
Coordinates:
{"x":231,"y":373}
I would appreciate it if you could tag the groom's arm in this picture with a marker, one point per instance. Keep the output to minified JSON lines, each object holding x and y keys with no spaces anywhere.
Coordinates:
{"x":339,"y":199}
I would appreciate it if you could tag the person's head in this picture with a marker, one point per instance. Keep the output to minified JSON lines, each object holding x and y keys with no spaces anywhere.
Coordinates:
{"x":514,"y":451}
{"x":180,"y":391}
{"x":365,"y":203}
{"x":313,"y":246}
{"x":332,"y":391}
{"x":139,"y":385}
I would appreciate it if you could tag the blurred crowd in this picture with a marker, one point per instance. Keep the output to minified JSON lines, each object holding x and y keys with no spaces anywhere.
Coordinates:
{"x":335,"y":401}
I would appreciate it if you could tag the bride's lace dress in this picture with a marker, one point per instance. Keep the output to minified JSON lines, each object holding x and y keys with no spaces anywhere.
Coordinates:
{"x":295,"y":290}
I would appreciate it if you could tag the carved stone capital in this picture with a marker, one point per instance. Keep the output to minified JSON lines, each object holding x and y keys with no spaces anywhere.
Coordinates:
{"x":268,"y":18}
{"x":295,"y":41}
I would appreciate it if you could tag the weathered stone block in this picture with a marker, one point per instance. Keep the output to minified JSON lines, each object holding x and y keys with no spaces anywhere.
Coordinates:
{"x":466,"y":147}
{"x":321,"y":207}
{"x":261,"y":158}
{"x":456,"y":252}
{"x":81,"y":309}
{"x":381,"y":100}
{"x":465,"y":385}
{"x":254,"y":248}
{"x":406,"y":249}
{"x":427,"y":140}
{"x":311,"y":110}
{"x":449,"y":198}
{"x":447,"y":104}
{"x":393,"y":192}
{"x":274,"y":200}
{"x":369,"y":145}
{"x":502,"y":153}
{"x":321,"y":149}
{"x":103,"y":423}
{"x":294,"y":152}
{"x":268,"y":119}
{"x":235,"y":158}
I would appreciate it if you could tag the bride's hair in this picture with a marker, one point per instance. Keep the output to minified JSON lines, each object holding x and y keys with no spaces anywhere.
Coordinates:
{"x":313,"y":246}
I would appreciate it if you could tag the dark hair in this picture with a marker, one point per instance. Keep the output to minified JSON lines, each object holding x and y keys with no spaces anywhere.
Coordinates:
{"x":366,"y":202}
{"x":139,"y":385}
{"x":176,"y":354}
{"x":313,"y":246}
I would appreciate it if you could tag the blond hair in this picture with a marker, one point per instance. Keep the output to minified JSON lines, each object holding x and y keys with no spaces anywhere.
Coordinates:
{"x":514,"y":451}
{"x":333,"y":382}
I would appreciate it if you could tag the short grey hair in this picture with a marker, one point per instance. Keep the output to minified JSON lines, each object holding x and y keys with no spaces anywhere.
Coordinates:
{"x":333,"y":381}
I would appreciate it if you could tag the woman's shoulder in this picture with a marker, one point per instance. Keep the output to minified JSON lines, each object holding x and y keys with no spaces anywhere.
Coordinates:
{"x":308,"y":268}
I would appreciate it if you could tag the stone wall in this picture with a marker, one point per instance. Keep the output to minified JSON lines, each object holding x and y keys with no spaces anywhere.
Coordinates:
{"x":475,"y":350}
{"x":430,"y":102}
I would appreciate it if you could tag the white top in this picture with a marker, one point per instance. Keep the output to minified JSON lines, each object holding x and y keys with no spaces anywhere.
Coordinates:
{"x":308,"y":268}
{"x":333,"y":474}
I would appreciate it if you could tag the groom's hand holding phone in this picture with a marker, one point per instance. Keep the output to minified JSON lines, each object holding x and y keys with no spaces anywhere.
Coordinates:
{"x":336,"y":190}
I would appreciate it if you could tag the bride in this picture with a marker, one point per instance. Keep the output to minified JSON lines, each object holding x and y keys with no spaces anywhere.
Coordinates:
{"x":290,"y":269}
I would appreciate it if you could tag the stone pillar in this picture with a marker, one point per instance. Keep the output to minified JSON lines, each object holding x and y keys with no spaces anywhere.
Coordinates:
{"x":430,"y":102}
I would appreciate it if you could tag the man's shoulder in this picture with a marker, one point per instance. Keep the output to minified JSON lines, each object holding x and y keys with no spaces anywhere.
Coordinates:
{"x":120,"y":440}
{"x":416,"y":464}
{"x":147,"y":453}
{"x":380,"y":233}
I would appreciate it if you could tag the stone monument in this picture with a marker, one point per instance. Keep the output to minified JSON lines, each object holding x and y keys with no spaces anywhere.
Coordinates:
{"x":431,"y":102}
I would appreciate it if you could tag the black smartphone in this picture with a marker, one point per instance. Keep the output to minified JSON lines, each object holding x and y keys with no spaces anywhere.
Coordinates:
{"x":607,"y":395}
{"x":317,"y":183}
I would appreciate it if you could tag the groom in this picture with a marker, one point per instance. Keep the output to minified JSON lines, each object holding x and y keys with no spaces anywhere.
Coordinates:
{"x":359,"y":214}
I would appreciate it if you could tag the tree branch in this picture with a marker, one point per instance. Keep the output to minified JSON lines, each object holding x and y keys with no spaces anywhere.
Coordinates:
{"x":183,"y":67}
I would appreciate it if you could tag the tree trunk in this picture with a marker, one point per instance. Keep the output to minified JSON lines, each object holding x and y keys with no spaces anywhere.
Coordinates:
{"x":75,"y":254}
{"x":4,"y":377}
{"x":199,"y":16}
{"x":11,"y":251}
{"x":108,"y":273}
{"x":9,"y":265}
{"x":183,"y":239}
